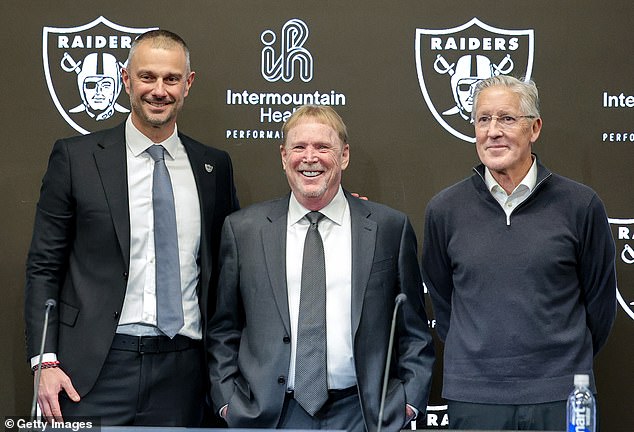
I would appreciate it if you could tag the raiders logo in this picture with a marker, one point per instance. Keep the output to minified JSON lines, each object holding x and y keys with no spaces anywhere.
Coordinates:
{"x":450,"y":62}
{"x":82,"y":66}
{"x":623,"y":232}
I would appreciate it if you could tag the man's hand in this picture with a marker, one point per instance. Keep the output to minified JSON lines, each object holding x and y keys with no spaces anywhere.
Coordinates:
{"x":52,"y":382}
{"x":410,"y":414}
{"x":356,"y":195}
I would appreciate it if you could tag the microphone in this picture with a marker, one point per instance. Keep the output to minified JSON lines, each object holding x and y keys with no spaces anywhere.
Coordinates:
{"x":50,"y":304}
{"x":400,"y":299}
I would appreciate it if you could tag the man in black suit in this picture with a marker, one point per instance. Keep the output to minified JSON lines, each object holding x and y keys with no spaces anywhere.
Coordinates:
{"x":263,"y":337}
{"x":93,"y":251}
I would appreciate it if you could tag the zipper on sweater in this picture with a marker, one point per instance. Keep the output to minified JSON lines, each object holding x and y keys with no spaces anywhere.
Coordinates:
{"x":508,"y":216}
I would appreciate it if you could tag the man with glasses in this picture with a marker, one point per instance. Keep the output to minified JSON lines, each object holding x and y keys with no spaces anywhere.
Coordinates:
{"x":519,"y":262}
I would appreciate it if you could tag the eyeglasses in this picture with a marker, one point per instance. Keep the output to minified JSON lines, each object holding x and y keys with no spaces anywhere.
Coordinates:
{"x":503,"y":122}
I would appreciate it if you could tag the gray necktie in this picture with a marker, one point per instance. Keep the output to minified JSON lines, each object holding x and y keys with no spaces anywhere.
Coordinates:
{"x":311,"y":382}
{"x":169,"y":299}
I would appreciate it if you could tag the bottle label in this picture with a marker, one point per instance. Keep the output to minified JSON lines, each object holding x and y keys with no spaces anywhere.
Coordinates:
{"x":580,"y":421}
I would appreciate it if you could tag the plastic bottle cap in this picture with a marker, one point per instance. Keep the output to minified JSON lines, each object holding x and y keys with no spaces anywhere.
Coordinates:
{"x":582,"y":380}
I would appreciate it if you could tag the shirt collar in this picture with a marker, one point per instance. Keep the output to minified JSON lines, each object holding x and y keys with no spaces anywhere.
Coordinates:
{"x":334,"y":211}
{"x":138,"y":143}
{"x":529,"y":180}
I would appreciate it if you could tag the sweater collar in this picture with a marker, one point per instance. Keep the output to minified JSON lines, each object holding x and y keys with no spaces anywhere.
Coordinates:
{"x":542,"y":172}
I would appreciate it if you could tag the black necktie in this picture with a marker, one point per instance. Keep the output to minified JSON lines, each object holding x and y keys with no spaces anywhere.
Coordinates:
{"x":169,"y":299}
{"x":311,"y":381}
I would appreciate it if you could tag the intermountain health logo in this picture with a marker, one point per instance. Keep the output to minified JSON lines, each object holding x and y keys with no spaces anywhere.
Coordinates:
{"x":450,"y":62}
{"x":291,"y":57}
{"x":623,"y":231}
{"x":82,"y":66}
{"x":287,"y":67}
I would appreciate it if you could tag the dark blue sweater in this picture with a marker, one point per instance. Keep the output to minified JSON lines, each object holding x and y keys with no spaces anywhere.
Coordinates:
{"x":521,"y":307}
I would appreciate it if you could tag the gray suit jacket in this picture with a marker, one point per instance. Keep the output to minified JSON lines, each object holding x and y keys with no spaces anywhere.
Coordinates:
{"x":80,"y":251}
{"x":249,"y":336}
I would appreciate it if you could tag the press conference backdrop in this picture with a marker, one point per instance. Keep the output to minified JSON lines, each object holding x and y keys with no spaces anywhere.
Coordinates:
{"x":399,"y":72}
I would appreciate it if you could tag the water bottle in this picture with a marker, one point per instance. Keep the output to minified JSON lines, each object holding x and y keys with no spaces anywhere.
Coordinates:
{"x":582,"y":411}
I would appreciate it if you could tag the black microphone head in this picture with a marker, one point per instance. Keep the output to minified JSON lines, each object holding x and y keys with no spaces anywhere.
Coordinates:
{"x":50,"y":303}
{"x":401,"y":298}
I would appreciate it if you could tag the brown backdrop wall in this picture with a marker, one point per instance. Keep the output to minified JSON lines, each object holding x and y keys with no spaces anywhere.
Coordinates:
{"x":363,"y":54}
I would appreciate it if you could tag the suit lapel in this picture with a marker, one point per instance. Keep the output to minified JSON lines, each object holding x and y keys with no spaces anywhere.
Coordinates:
{"x":363,"y":232}
{"x":110,"y":158}
{"x":363,"y":245}
{"x":274,"y":243}
{"x":203,"y":166}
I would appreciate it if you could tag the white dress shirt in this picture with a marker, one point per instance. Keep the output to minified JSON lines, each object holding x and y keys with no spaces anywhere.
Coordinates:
{"x":138,"y":316}
{"x":519,"y":194}
{"x":335,"y":231}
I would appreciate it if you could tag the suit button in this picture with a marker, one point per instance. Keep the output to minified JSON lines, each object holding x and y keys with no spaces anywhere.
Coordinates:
{"x":116,"y":315}
{"x":281,"y":379}
{"x":125,"y":275}
{"x":286,"y":340}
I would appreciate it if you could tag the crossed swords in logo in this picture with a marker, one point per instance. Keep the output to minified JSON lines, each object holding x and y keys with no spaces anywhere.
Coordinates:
{"x":442,"y":66}
{"x":627,"y":255}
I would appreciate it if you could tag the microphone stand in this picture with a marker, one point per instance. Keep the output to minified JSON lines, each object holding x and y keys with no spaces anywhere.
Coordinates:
{"x":50,"y":304}
{"x":401,"y":298}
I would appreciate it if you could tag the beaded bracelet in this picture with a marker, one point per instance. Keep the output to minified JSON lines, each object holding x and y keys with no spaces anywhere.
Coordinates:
{"x":46,"y":365}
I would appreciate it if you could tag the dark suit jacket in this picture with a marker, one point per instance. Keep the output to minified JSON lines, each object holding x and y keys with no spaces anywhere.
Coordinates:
{"x":249,"y":336}
{"x":80,"y":250}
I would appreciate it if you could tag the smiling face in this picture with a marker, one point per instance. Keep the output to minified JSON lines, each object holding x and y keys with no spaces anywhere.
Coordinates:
{"x":314,"y":158}
{"x":505,"y":151}
{"x":158,"y":81}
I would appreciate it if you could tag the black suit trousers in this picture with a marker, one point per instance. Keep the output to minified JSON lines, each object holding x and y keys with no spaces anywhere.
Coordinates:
{"x":150,"y":389}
